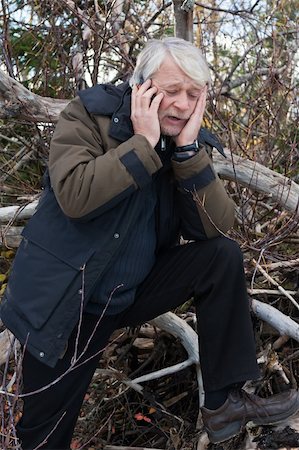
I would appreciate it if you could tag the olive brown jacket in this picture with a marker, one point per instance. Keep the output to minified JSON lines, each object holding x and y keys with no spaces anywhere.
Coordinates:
{"x":97,"y":170}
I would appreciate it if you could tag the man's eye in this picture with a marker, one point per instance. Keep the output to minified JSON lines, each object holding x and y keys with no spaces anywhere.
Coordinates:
{"x":194,"y":96}
{"x":171,"y":92}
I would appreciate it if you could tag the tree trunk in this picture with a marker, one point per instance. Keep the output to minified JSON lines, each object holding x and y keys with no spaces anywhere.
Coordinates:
{"x":183,"y":21}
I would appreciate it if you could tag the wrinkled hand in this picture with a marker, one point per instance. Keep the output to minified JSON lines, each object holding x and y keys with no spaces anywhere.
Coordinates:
{"x":144,"y":111}
{"x":190,"y":131}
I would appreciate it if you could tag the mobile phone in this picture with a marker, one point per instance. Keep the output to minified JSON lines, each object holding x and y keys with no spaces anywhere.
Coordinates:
{"x":141,"y":81}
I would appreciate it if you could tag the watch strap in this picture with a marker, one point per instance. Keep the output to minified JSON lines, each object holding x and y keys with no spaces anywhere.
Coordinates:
{"x":194,"y":147}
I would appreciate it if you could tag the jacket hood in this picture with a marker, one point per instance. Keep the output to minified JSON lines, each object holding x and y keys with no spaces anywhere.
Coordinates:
{"x":112,"y":101}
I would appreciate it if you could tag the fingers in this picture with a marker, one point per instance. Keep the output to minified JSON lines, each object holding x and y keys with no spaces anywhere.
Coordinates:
{"x":144,"y":94}
{"x":144,"y":97}
{"x":145,"y":103}
{"x":201,"y":104}
{"x":156,"y":101}
{"x":190,"y":132}
{"x":142,"y":88}
{"x":138,"y":91}
{"x":198,"y":113}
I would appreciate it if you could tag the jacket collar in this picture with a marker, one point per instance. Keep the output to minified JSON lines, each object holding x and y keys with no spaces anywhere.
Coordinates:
{"x":112,"y":101}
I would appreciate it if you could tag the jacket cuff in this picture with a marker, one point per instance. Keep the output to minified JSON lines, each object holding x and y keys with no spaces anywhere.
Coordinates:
{"x":140,"y":159}
{"x":194,"y":173}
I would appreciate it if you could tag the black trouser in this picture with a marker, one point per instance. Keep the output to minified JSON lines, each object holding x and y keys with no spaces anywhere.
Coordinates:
{"x":212,"y":272}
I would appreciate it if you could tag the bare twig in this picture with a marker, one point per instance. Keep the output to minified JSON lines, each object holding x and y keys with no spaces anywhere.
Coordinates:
{"x":114,"y":447}
{"x":269,"y":292}
{"x":272,"y":281}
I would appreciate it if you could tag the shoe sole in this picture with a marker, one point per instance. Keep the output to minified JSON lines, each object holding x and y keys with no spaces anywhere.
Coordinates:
{"x":233,"y":429}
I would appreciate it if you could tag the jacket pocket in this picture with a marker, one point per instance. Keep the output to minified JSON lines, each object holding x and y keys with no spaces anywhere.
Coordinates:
{"x":41,"y":277}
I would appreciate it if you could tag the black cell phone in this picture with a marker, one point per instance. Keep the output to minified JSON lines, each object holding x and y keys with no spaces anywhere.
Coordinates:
{"x":140,"y":82}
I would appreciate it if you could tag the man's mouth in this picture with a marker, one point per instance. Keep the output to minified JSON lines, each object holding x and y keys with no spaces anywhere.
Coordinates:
{"x":175,"y":119}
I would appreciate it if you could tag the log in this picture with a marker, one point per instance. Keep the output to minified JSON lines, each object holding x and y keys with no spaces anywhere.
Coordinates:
{"x":282,"y":323}
{"x":17,"y":102}
{"x":280,"y":189}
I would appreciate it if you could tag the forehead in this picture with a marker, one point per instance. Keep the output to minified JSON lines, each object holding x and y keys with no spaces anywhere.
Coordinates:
{"x":170,"y":74}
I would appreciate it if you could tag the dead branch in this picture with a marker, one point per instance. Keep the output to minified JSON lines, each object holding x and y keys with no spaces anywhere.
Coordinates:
{"x":230,"y":83}
{"x":282,"y":323}
{"x":17,"y":102}
{"x":234,"y":12}
{"x":7,"y":342}
{"x":177,"y":327}
{"x":282,"y":264}
{"x":280,"y":189}
{"x":269,"y":292}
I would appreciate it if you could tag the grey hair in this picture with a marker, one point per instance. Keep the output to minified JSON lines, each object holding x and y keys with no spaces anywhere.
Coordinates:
{"x":188,"y":57}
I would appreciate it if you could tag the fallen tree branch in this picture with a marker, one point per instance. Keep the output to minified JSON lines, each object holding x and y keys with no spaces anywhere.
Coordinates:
{"x":7,"y":343}
{"x":177,"y":327}
{"x":172,"y":324}
{"x":17,"y":102}
{"x":282,"y":323}
{"x":280,"y":189}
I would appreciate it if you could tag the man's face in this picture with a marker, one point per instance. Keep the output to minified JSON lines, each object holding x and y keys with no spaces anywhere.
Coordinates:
{"x":180,"y":97}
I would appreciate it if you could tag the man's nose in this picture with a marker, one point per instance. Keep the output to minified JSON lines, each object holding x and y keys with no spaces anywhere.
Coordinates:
{"x":182,"y":102}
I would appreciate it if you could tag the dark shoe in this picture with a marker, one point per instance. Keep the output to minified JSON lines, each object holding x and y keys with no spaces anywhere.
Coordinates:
{"x":240,"y":408}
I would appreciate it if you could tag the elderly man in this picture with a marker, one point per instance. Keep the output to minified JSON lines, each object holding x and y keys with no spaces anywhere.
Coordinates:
{"x":129,"y":175}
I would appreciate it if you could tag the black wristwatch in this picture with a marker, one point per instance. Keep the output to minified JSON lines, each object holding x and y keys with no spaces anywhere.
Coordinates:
{"x":188,"y":148}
